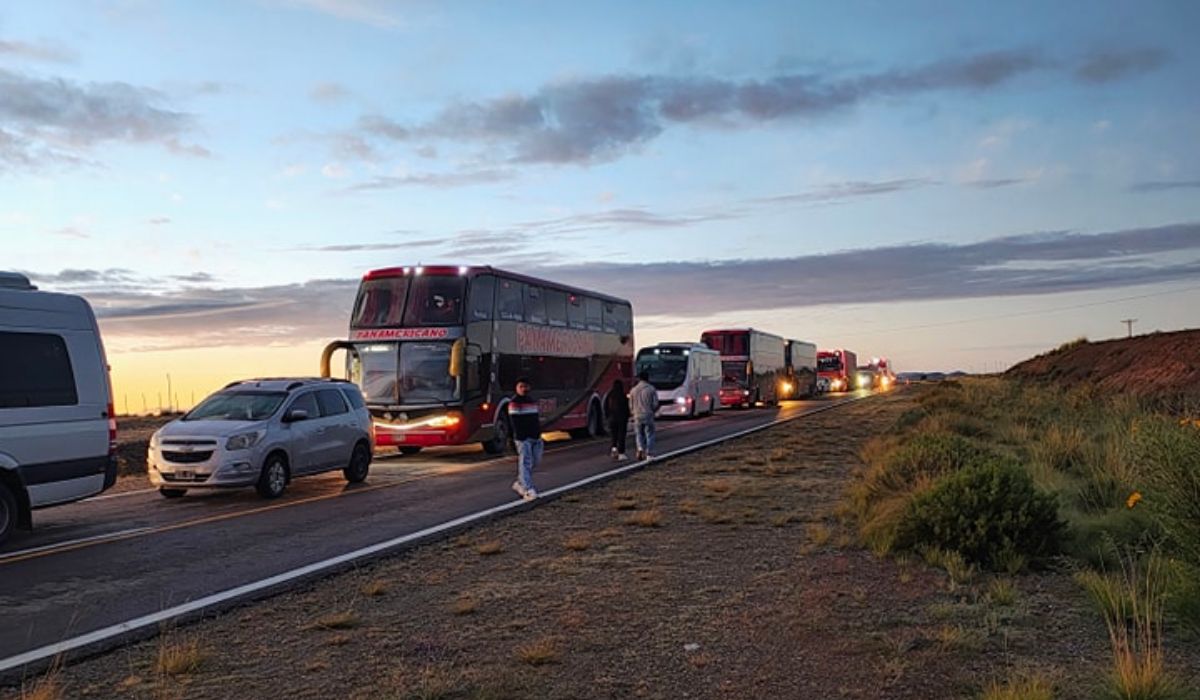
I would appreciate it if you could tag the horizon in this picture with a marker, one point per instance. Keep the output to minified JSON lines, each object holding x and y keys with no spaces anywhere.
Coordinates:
{"x":954,"y":188}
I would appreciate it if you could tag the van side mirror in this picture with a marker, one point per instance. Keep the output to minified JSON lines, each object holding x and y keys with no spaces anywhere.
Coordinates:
{"x":296,"y":414}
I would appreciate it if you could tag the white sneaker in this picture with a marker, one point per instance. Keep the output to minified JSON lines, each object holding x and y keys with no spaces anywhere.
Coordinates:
{"x":613,"y":452}
{"x":520,"y":489}
{"x":649,"y":456}
{"x":622,"y":457}
{"x":530,"y":494}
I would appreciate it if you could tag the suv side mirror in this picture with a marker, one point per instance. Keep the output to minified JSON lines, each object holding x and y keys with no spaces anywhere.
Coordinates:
{"x":296,"y":414}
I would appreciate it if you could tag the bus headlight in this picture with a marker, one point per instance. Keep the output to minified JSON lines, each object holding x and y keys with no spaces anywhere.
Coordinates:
{"x":787,"y":387}
{"x":447,"y":421}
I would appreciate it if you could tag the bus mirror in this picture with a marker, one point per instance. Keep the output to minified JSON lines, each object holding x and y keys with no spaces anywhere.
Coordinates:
{"x":456,"y":357}
{"x":749,"y":369}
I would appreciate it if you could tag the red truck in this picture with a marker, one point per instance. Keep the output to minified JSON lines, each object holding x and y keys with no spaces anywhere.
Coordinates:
{"x":838,"y":367}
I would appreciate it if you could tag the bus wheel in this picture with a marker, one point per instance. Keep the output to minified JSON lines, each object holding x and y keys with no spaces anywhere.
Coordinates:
{"x":499,"y":443}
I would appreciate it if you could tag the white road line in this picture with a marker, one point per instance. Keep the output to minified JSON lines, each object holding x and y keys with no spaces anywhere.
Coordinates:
{"x":67,"y":543}
{"x":106,"y":496}
{"x":106,"y":633}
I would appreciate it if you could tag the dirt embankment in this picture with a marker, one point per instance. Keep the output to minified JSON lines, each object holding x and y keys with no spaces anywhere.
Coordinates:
{"x":1154,"y":365}
{"x":724,"y":574}
{"x":133,"y":439}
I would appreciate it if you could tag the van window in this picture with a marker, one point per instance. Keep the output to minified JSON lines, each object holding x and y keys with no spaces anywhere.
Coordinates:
{"x":306,"y":402}
{"x":35,"y":370}
{"x":332,"y":403}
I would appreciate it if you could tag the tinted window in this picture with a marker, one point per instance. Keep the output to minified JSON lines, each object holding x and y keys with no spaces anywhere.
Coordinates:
{"x":35,"y":370}
{"x":306,"y":402}
{"x":576,"y":314}
{"x":509,"y":305}
{"x":436,"y":300}
{"x":380,"y":303}
{"x":623,"y":314}
{"x":331,"y":401}
{"x":595,"y":314}
{"x":354,"y":396}
{"x":480,"y":297}
{"x":610,"y":319}
{"x":556,"y":307}
{"x":535,"y":304}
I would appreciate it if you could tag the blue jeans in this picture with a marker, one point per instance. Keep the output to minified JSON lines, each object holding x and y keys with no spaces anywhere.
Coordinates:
{"x":643,"y":432}
{"x":529,"y":454}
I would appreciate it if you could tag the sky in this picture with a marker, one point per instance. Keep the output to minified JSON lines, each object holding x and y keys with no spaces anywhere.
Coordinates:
{"x":953,"y":185}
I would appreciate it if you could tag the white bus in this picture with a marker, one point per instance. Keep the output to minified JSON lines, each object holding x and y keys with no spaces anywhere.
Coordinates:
{"x":57,"y":429}
{"x":686,"y":375}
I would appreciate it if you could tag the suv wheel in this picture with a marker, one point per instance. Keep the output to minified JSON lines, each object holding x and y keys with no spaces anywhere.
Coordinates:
{"x":8,"y":512}
{"x":360,"y":464}
{"x":273,"y":479}
{"x":171,"y":493}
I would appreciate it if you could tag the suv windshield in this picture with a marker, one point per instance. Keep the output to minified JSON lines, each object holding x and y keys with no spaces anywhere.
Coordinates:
{"x":667,"y":366}
{"x":407,"y":373}
{"x":237,"y":405}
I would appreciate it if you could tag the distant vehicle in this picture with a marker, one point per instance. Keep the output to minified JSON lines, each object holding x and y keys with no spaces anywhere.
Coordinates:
{"x":801,"y":360}
{"x":437,"y":351}
{"x":822,"y":385}
{"x":58,"y":432}
{"x":263,"y":433}
{"x":885,"y":377}
{"x":838,"y":366}
{"x":753,"y":365}
{"x":866,"y":378}
{"x":686,"y":375}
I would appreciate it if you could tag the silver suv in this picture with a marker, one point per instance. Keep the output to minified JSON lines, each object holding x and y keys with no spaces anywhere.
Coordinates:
{"x":262,"y":433}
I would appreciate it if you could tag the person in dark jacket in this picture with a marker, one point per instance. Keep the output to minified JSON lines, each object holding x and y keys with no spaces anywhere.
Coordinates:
{"x":616,"y":407}
{"x":527,"y":434}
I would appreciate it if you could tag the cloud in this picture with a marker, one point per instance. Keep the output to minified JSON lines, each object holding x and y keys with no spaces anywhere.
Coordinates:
{"x":433,"y":179}
{"x":1113,"y":64}
{"x":1164,"y":185}
{"x":853,"y":189}
{"x":335,"y":171}
{"x":60,"y":121}
{"x":157,"y":312}
{"x":376,"y":13}
{"x":159,"y":220}
{"x":37,"y":52}
{"x":328,"y":92}
{"x":71,"y":232}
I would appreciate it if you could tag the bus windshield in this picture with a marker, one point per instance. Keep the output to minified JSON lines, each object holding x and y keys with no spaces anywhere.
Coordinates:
{"x":380,"y":303}
{"x":734,"y":372}
{"x":829,"y":363}
{"x":667,"y":366}
{"x":436,"y":300}
{"x":407,"y":373}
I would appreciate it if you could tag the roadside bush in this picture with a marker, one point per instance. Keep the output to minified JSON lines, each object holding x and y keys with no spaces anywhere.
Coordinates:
{"x":987,"y":512}
{"x":1166,"y":455}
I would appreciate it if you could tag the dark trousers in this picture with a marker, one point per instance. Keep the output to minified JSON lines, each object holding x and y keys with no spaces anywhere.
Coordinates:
{"x":618,"y":430}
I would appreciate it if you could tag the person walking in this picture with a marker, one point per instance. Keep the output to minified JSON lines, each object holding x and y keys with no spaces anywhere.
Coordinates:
{"x":527,"y":433}
{"x":643,"y":402}
{"x":616,"y":407}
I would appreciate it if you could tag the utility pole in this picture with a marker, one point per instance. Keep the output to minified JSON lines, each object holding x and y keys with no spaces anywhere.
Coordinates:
{"x":1129,"y":325}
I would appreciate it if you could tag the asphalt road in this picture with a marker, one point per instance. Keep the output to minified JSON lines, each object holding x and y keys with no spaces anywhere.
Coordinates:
{"x":113,"y":558}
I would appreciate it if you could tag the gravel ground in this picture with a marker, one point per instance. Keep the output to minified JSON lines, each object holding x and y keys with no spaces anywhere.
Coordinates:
{"x":725,"y":574}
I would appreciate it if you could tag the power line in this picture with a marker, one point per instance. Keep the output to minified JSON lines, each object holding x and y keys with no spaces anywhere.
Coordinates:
{"x":1019,"y":314}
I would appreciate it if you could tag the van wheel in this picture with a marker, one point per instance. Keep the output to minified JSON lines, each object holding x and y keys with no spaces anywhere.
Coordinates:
{"x":273,"y":479}
{"x":409,"y":449}
{"x":500,"y":443}
{"x":8,"y":512}
{"x":360,"y":464}
{"x":171,"y":493}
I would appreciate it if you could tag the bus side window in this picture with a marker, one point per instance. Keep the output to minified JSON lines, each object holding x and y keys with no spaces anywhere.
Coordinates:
{"x":610,"y":320}
{"x":535,"y":304}
{"x":576,"y":313}
{"x":595,"y":314}
{"x":556,"y":307}
{"x":480,"y":298}
{"x":509,"y":305}
{"x":624,"y":319}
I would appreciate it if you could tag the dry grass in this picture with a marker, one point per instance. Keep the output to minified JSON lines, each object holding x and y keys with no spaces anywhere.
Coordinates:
{"x":720,"y":488}
{"x":490,"y":547}
{"x":464,"y":604}
{"x":539,"y":652}
{"x":1001,"y":591}
{"x":818,"y":534}
{"x":1020,"y":686}
{"x":714,"y":516}
{"x":577,"y":543}
{"x":645,"y":518}
{"x":624,"y":503}
{"x":343,"y":620}
{"x":375,"y":588}
{"x":689,"y":507}
{"x":178,"y":656}
{"x":48,"y":687}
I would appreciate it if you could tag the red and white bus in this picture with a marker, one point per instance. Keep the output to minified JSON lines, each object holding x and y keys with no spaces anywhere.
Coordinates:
{"x":839,"y":367}
{"x":753,"y":365}
{"x":438,"y":350}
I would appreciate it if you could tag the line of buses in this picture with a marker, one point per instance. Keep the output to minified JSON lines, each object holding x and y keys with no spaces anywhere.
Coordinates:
{"x":437,"y":349}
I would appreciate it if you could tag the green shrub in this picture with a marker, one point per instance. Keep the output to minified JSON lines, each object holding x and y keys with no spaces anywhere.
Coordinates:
{"x":987,"y":512}
{"x":1166,"y":454}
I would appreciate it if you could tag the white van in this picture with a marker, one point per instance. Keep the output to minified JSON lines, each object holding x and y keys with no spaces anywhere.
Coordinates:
{"x":58,"y":434}
{"x":686,"y":375}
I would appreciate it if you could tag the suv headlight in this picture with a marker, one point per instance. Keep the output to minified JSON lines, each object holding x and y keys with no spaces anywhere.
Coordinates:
{"x":244,"y":441}
{"x":680,"y":400}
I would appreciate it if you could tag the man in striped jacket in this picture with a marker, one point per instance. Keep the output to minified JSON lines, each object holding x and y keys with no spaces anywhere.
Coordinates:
{"x":527,"y":434}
